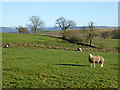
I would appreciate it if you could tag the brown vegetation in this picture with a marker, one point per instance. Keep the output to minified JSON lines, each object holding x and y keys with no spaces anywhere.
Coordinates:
{"x":80,"y":35}
{"x":62,"y":48}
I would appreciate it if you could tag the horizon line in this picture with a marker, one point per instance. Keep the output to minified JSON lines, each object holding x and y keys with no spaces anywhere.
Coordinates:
{"x":75,"y":26}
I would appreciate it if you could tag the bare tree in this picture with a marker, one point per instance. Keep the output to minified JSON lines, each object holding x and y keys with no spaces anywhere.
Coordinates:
{"x":91,"y":33}
{"x":64,"y":25}
{"x":36,"y":23}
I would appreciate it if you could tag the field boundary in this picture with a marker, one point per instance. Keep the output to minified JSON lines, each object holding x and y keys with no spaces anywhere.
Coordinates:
{"x":61,"y":48}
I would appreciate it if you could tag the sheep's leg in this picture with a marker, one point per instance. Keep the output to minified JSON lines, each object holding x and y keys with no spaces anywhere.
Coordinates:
{"x":94,"y":64}
{"x":91,"y":64}
{"x":102,"y":65}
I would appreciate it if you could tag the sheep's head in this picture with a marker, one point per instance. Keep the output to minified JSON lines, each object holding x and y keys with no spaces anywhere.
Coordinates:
{"x":90,"y":55}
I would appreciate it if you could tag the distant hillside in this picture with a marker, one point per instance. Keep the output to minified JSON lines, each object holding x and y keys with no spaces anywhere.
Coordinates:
{"x":80,"y":27}
{"x":12,"y":30}
{"x":8,"y":30}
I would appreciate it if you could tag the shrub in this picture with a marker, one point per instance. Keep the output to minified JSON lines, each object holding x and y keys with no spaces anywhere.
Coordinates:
{"x":115,"y":34}
{"x":23,"y":30}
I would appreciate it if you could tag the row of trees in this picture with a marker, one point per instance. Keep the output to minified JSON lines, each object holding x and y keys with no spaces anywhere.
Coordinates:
{"x":37,"y":24}
{"x":66,"y":24}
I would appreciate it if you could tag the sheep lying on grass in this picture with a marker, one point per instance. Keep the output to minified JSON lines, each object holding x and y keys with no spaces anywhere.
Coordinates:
{"x":6,"y":46}
{"x":79,"y":49}
{"x":96,"y":59}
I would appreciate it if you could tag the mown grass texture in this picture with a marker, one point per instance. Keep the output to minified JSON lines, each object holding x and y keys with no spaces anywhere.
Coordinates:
{"x":46,"y":68}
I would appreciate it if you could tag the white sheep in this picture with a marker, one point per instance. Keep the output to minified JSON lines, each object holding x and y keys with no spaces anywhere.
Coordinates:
{"x":6,"y":46}
{"x":96,"y":59}
{"x":79,"y":49}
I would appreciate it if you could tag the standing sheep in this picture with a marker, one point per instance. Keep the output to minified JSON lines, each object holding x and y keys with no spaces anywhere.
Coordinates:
{"x":96,"y":59}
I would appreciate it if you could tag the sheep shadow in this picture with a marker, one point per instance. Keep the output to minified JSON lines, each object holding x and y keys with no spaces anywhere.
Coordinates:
{"x":114,"y":64}
{"x":73,"y":65}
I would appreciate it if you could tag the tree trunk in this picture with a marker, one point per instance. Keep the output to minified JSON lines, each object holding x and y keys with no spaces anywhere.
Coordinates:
{"x":90,"y":42}
{"x":63,"y":34}
{"x":104,"y":37}
{"x":35,"y":31}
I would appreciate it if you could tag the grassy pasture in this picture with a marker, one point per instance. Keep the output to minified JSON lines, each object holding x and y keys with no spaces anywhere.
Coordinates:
{"x":97,"y":41}
{"x":46,"y":68}
{"x":49,"y":68}
{"x":51,"y":41}
{"x":106,"y":43}
{"x":35,"y":39}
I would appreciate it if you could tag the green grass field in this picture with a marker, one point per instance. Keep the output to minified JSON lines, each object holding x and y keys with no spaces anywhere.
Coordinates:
{"x":36,"y":39}
{"x":30,"y":67}
{"x":51,"y":41}
{"x":45,"y":68}
{"x":106,"y":43}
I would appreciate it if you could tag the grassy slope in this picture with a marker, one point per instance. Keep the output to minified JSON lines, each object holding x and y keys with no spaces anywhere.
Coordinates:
{"x":35,"y":39}
{"x":24,"y":67}
{"x":51,"y":41}
{"x":106,"y":43}
{"x":25,"y":38}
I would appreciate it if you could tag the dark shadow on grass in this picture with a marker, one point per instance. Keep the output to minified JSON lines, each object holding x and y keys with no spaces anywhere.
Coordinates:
{"x":116,"y":68}
{"x":114,"y":64}
{"x":73,"y":65}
